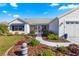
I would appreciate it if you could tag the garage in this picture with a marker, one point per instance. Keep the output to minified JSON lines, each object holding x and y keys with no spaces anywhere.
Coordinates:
{"x":72,"y":29}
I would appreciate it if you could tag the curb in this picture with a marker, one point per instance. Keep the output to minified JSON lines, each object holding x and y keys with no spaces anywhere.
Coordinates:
{"x":8,"y":51}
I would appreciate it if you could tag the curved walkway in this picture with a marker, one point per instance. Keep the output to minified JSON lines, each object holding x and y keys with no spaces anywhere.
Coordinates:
{"x":56,"y":44}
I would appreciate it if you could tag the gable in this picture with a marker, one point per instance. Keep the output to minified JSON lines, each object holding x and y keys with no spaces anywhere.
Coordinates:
{"x":17,"y":21}
{"x":72,"y":16}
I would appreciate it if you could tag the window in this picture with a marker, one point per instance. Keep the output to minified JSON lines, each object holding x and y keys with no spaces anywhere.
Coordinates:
{"x":67,"y":22}
{"x":18,"y":27}
{"x":72,"y":22}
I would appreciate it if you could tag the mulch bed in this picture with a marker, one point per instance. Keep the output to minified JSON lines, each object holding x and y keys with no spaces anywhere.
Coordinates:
{"x":35,"y":51}
{"x":58,"y":40}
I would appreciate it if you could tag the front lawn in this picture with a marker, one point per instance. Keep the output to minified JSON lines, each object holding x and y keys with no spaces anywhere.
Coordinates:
{"x":7,"y":41}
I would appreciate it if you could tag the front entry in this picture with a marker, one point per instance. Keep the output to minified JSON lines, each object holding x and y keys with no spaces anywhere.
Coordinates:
{"x":39,"y":29}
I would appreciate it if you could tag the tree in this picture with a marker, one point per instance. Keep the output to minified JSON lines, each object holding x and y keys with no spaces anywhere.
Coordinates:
{"x":3,"y":29}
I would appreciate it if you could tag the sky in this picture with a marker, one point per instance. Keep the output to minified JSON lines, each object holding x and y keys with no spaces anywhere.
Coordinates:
{"x":10,"y":11}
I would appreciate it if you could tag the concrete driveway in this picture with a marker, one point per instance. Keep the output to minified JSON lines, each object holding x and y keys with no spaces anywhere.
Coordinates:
{"x":74,"y":40}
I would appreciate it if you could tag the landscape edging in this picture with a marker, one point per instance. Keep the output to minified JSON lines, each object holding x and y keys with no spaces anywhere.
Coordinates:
{"x":8,"y":51}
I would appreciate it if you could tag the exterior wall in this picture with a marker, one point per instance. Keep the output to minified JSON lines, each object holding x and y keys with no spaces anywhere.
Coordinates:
{"x":73,"y":16}
{"x":53,"y":26}
{"x":61,"y":27}
{"x":26,"y":27}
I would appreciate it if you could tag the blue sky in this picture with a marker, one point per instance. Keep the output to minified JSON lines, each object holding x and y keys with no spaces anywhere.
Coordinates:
{"x":9,"y":11}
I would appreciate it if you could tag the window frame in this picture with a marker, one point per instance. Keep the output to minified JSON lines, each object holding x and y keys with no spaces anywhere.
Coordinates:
{"x":19,"y":27}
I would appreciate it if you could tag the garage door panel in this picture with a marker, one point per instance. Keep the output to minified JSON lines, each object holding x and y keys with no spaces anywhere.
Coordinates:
{"x":72,"y":30}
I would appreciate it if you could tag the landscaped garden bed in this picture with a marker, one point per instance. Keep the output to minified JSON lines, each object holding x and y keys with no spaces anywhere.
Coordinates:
{"x":51,"y":37}
{"x":37,"y":49}
{"x":54,"y":40}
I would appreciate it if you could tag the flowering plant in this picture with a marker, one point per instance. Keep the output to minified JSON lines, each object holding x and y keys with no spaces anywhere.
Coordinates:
{"x":19,"y":42}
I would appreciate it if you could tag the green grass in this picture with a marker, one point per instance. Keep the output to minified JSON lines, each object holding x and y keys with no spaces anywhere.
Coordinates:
{"x":7,"y":41}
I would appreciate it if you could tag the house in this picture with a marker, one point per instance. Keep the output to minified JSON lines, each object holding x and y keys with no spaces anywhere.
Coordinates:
{"x":28,"y":25}
{"x":67,"y":23}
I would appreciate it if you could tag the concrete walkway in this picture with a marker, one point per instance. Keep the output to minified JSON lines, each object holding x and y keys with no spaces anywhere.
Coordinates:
{"x":56,"y":44}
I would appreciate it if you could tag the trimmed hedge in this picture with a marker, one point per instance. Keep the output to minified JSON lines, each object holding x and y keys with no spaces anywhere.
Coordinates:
{"x":34,"y":42}
{"x":52,"y":36}
{"x":47,"y":53}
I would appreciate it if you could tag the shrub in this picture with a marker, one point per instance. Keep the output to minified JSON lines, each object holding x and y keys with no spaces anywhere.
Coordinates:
{"x":47,"y":53}
{"x":3,"y":28}
{"x":22,"y":34}
{"x":32,"y":33}
{"x":16,"y":33}
{"x":9,"y":34}
{"x":52,"y":36}
{"x":34,"y":43}
{"x":45,"y":33}
{"x":62,"y":48}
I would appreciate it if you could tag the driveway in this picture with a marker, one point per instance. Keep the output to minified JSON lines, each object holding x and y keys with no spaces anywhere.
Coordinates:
{"x":74,"y":40}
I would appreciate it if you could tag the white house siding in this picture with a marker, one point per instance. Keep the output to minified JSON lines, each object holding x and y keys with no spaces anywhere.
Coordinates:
{"x":53,"y":26}
{"x":71,"y":29}
{"x":26,"y":27}
{"x":61,"y":27}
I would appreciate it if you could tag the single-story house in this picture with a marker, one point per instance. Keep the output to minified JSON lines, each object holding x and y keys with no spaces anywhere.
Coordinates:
{"x":28,"y":25}
{"x":67,"y":23}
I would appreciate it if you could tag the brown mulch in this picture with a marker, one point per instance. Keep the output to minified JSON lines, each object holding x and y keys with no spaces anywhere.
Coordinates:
{"x":12,"y":51}
{"x":35,"y":51}
{"x":16,"y":49}
{"x":58,"y":40}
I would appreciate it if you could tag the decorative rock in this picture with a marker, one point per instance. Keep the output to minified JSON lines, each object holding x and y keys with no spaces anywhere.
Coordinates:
{"x":74,"y":48}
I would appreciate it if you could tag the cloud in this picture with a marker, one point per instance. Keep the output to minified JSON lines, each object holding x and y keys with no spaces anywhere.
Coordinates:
{"x":54,"y":4}
{"x":14,"y":4}
{"x":4,"y":11}
{"x":16,"y":16}
{"x":2,"y":4}
{"x":70,"y":6}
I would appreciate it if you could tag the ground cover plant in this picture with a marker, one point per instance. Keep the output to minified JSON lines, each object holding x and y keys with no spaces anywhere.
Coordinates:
{"x":47,"y":53}
{"x":52,"y":36}
{"x":34,"y":42}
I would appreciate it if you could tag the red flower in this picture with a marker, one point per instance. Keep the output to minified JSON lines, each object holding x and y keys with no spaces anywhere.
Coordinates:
{"x":19,"y":43}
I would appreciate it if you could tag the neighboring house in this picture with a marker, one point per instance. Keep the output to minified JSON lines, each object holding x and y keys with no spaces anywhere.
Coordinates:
{"x":68,"y":23}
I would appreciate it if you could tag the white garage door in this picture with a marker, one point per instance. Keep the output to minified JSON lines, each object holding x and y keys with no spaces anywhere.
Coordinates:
{"x":72,"y":29}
